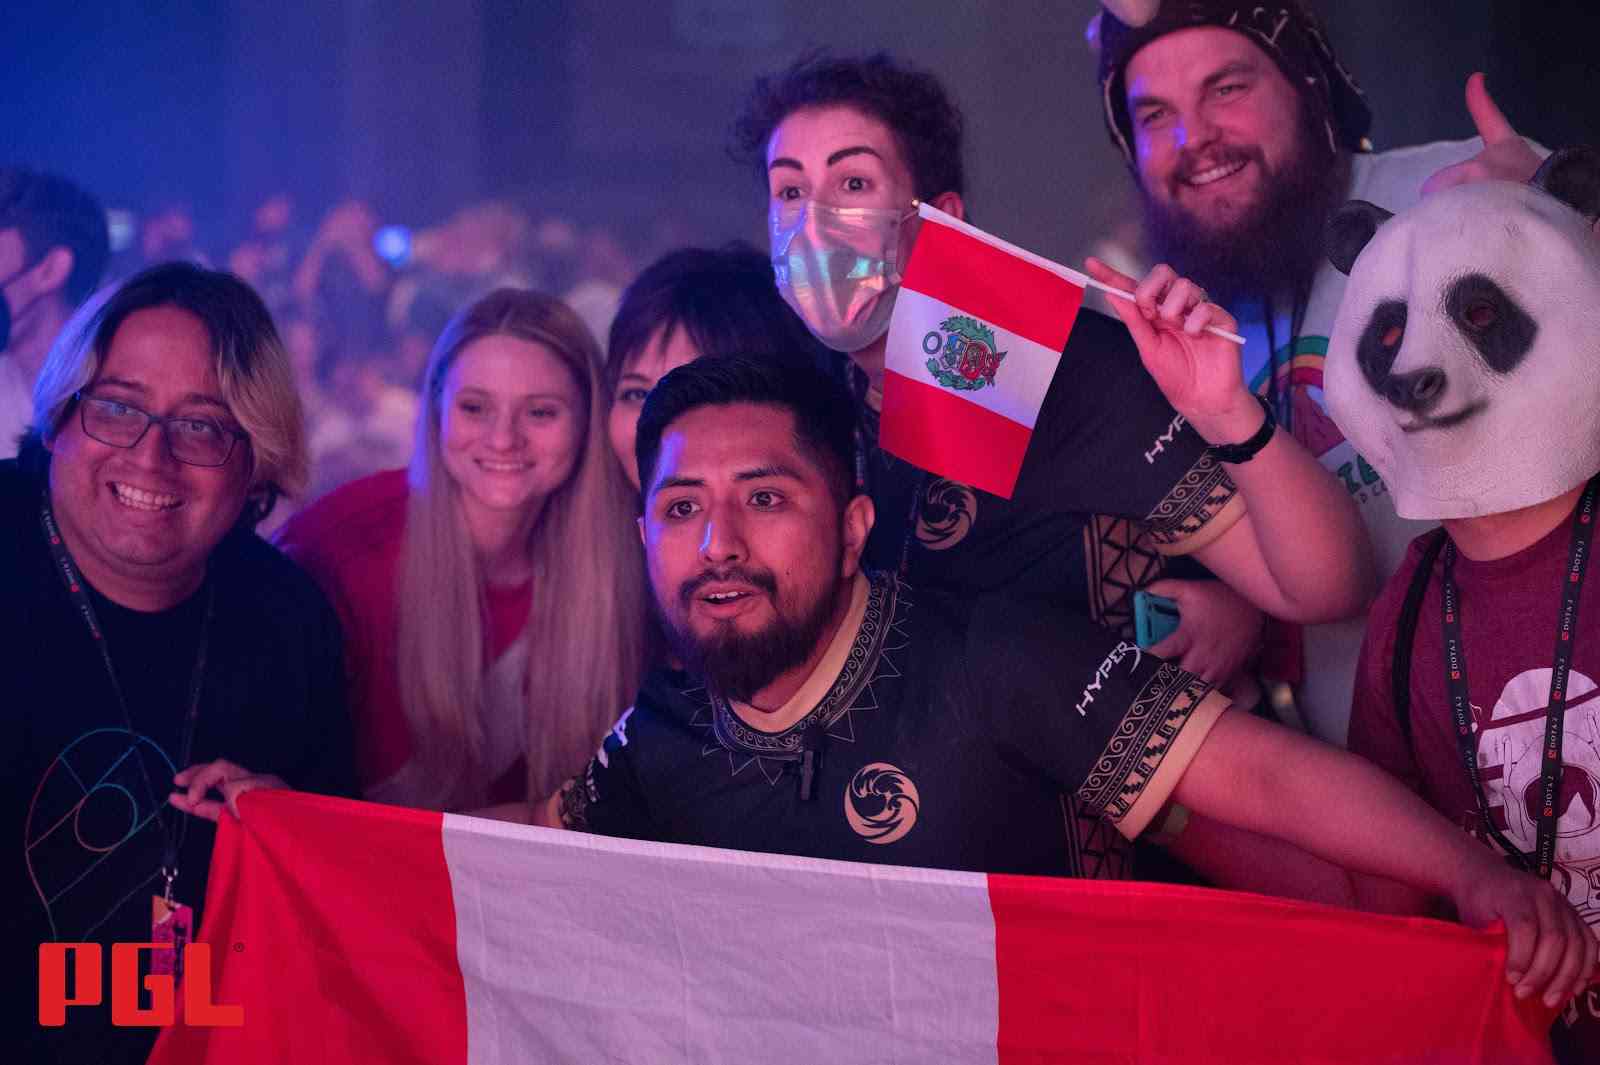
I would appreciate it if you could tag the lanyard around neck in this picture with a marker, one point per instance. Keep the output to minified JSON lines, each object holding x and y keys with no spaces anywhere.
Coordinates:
{"x":173,"y":829}
{"x":1542,"y":860}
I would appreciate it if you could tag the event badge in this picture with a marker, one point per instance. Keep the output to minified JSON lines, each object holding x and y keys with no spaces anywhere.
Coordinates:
{"x":171,"y":924}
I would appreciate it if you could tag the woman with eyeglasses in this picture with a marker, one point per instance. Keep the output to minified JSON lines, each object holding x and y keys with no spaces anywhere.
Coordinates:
{"x":493,"y":595}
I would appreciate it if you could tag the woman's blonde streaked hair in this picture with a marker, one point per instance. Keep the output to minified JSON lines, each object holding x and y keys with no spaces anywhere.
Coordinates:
{"x":585,"y":635}
{"x":253,"y":369}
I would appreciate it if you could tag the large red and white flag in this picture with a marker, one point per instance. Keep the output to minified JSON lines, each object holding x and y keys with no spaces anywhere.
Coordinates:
{"x":357,"y":934}
{"x":977,"y":332}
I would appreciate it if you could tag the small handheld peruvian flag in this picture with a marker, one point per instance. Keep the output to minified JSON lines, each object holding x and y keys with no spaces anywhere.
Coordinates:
{"x":978,"y":330}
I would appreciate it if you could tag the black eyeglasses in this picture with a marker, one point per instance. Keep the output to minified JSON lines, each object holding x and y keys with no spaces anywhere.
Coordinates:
{"x":193,"y":441}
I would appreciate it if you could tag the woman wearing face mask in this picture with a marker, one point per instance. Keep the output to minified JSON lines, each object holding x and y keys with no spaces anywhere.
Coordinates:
{"x":689,"y":303}
{"x":1117,"y":480}
{"x":493,"y":595}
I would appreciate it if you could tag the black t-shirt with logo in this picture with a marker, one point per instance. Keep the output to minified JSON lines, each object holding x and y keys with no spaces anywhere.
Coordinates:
{"x":1111,"y":476}
{"x":948,"y":738}
{"x":85,"y":801}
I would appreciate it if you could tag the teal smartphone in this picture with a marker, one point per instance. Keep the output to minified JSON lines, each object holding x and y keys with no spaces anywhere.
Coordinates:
{"x":1155,"y":617}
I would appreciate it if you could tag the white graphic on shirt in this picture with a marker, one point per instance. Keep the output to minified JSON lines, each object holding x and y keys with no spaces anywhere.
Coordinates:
{"x":1118,"y":653}
{"x":620,"y":731}
{"x":1510,"y":749}
{"x":1163,"y":440}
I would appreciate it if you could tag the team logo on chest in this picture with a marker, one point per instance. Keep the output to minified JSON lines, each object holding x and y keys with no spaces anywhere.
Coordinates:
{"x":881,"y":803}
{"x":966,"y":355}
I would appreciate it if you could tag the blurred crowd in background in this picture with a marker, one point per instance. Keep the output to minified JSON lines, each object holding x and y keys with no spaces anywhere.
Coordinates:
{"x":360,"y":303}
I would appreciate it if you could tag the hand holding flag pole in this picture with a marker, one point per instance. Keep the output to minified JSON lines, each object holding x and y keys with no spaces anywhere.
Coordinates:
{"x":978,"y":330}
{"x":1122,"y":293}
{"x":1202,"y":378}
{"x":931,"y":213}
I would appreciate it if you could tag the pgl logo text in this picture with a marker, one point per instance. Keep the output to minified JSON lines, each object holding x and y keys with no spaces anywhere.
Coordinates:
{"x":88,"y":987}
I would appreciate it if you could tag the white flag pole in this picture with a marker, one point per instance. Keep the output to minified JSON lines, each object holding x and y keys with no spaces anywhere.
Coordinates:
{"x":933,"y":213}
{"x":1215,"y":330}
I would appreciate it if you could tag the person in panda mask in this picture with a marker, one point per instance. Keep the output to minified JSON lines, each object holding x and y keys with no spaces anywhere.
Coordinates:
{"x":1461,"y":366}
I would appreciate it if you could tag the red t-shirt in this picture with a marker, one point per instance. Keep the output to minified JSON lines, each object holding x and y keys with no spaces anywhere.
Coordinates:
{"x":1509,"y":610}
{"x":349,"y":541}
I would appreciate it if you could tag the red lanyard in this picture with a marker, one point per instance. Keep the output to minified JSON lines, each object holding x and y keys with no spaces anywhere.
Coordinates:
{"x":172,"y":830}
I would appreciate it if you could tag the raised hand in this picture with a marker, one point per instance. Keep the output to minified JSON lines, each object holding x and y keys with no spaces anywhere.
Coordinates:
{"x":1198,"y":372}
{"x":1505,"y":156}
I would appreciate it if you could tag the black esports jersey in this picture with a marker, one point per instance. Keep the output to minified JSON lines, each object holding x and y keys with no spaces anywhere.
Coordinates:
{"x":950,"y":735}
{"x":1112,"y":475}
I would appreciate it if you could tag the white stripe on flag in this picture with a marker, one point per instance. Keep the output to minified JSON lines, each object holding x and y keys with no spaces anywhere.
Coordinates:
{"x":1020,"y":383}
{"x":583,"y":948}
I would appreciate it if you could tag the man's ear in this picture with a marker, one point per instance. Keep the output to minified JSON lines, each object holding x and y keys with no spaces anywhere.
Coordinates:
{"x":1351,"y":229}
{"x":859,"y":515}
{"x":49,"y":275}
{"x":951,"y":204}
{"x":1572,"y":175}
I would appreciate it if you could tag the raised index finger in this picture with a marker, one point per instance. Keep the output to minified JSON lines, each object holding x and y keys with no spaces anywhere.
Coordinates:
{"x":1491,"y":122}
{"x":1143,"y":332}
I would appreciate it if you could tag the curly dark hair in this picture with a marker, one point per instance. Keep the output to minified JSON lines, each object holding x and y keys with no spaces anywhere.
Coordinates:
{"x":925,"y":122}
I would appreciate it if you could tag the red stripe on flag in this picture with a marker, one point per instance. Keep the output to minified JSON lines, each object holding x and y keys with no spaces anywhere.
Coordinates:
{"x":1102,"y":971}
{"x":366,"y":973}
{"x":951,"y":436}
{"x":994,"y":285}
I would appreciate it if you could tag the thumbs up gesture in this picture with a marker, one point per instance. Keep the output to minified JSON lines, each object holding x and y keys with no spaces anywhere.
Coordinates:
{"x":1505,"y":156}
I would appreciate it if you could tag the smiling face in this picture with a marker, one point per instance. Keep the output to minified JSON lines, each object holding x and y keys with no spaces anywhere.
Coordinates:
{"x":665,"y":352}
{"x":139,"y":523}
{"x":511,"y":428}
{"x":1455,"y":366}
{"x":748,"y":552}
{"x":1214,"y":122}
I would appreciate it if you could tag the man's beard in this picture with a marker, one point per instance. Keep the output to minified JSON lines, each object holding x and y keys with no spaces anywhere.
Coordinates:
{"x":738,"y":664}
{"x":1276,"y":244}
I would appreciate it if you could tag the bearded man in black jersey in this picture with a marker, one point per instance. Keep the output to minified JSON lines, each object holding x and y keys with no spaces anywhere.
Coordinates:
{"x":822,"y":710}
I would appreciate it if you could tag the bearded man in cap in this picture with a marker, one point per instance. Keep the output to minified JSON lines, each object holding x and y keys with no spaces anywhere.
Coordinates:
{"x":1243,"y":132}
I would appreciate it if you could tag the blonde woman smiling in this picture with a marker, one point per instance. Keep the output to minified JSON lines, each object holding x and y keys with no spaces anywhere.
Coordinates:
{"x":492,"y":595}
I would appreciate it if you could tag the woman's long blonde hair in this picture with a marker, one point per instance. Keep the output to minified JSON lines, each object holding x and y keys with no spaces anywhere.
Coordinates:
{"x":585,"y":635}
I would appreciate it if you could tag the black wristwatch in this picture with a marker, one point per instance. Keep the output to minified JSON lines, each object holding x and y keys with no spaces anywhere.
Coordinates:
{"x":1237,"y":453}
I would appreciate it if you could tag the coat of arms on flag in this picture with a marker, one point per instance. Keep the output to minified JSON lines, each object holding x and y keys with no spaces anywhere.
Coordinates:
{"x":966,"y":354}
{"x":977,"y":333}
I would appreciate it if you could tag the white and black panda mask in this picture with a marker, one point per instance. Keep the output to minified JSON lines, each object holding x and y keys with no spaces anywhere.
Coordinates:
{"x":1465,"y":359}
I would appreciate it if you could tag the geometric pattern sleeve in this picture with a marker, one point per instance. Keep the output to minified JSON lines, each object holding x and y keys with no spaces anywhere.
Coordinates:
{"x":1100,"y":718}
{"x":1204,"y":504}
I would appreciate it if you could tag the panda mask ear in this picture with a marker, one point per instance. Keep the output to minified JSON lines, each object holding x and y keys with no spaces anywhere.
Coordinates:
{"x":1350,"y":229}
{"x":1572,"y":175}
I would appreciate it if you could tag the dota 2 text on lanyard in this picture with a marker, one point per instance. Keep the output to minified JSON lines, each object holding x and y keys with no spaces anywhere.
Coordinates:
{"x":1455,"y":675}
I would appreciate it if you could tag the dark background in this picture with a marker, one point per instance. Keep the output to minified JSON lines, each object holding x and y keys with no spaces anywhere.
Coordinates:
{"x":617,"y":111}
